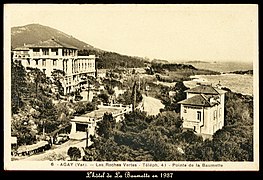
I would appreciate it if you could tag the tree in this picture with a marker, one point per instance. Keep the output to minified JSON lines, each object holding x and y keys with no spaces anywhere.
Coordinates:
{"x":233,"y":143}
{"x":83,"y":107}
{"x":200,"y":151}
{"x":18,"y":86}
{"x":22,"y":128}
{"x":39,"y":79}
{"x":74,"y":153}
{"x":58,"y":75}
{"x":106,"y":126}
{"x":238,"y":108}
{"x":135,"y":121}
{"x":91,"y":154}
{"x":127,"y":97}
{"x":168,"y":119}
{"x":47,"y":116}
{"x":104,"y":97}
{"x":171,"y":104}
{"x":159,"y":147}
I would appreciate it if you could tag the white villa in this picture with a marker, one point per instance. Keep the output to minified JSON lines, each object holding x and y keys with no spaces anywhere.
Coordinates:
{"x":53,"y":55}
{"x":203,"y":109}
{"x":87,"y":123}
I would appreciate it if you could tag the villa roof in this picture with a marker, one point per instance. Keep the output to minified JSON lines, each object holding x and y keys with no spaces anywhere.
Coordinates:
{"x":206,"y":89}
{"x":200,"y":100}
{"x":51,"y":43}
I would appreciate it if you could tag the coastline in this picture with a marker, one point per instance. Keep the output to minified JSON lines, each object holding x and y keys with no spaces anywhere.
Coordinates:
{"x":237,"y":83}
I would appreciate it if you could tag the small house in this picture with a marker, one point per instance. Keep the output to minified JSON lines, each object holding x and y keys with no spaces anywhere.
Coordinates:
{"x":203,"y":109}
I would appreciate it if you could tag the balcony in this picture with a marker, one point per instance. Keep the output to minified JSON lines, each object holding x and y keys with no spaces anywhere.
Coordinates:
{"x":21,"y":56}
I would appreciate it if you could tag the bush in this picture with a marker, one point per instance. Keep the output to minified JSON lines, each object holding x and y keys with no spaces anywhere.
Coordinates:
{"x":74,"y":153}
{"x":56,"y":157}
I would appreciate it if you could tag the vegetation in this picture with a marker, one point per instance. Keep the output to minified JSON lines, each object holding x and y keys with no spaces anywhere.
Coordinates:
{"x":176,"y":72}
{"x":138,"y":138}
{"x":56,"y":157}
{"x":243,"y":72}
{"x":18,"y":86}
{"x":171,"y":102}
{"x":112,"y":60}
{"x":161,"y":138}
{"x":57,"y":76}
{"x":106,"y":126}
{"x":74,"y":153}
{"x":33,"y":110}
{"x":83,"y":108}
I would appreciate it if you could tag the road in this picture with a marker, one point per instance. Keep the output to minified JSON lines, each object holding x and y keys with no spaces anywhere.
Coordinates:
{"x":56,"y":149}
{"x":152,"y":105}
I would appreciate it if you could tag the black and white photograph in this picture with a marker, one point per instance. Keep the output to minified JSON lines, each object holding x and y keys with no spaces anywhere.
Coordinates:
{"x":96,"y":87}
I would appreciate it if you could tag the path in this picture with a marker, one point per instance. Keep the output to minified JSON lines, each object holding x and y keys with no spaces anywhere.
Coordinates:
{"x":58,"y":149}
{"x":152,"y":105}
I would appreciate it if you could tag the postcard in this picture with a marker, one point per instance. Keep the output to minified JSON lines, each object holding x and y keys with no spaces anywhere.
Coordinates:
{"x":131,"y":87}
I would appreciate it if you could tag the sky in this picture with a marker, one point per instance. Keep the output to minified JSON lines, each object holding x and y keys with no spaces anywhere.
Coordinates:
{"x":172,"y":32}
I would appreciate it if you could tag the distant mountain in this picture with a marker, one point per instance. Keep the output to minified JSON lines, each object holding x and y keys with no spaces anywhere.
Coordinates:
{"x":34,"y":33}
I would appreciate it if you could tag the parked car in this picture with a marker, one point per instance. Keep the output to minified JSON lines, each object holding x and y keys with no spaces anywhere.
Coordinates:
{"x":61,"y":138}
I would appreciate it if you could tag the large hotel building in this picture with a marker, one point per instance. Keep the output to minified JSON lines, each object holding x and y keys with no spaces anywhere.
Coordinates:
{"x":53,"y":55}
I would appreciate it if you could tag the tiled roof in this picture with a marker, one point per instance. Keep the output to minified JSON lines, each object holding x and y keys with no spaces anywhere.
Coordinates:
{"x":206,"y":89}
{"x":200,"y":100}
{"x":51,"y":43}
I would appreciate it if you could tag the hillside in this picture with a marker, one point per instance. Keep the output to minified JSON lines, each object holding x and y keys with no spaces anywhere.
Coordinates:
{"x":33,"y":33}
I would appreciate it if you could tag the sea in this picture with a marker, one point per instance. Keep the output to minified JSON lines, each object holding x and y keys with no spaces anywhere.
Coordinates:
{"x":235,"y":82}
{"x":223,"y":66}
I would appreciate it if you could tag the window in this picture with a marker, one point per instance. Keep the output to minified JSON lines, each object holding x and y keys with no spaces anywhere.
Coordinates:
{"x":45,"y":51}
{"x":199,"y":115}
{"x":44,"y":71}
{"x":36,"y":62}
{"x":35,"y":49}
{"x":55,"y":62}
{"x":215,"y":114}
{"x":43,"y":62}
{"x":54,"y":50}
{"x":185,"y":111}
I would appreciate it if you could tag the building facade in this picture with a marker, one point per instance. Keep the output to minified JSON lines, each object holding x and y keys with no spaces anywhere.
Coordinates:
{"x":203,"y":109}
{"x":53,"y":55}
{"x":87,"y":123}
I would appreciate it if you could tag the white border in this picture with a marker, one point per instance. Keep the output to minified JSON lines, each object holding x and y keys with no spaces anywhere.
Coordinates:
{"x":89,"y":166}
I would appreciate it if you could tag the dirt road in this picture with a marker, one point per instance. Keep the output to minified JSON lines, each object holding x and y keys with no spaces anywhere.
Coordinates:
{"x":152,"y":105}
{"x":56,"y":149}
